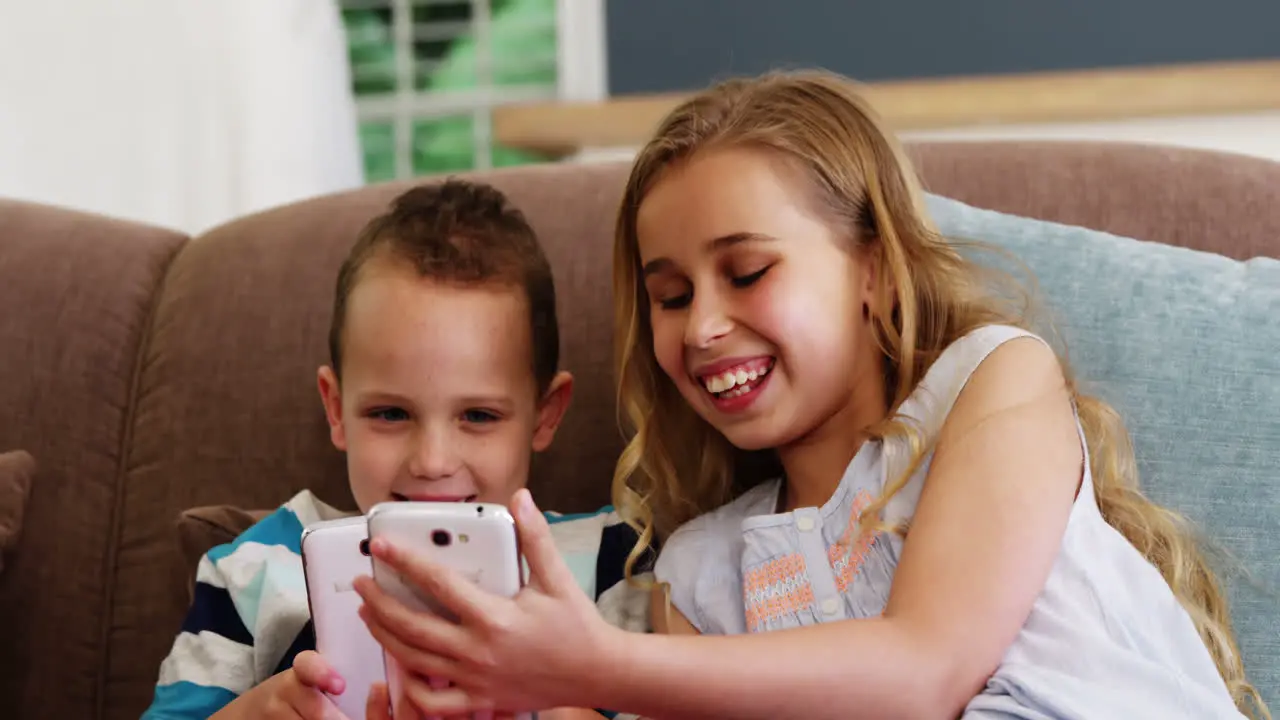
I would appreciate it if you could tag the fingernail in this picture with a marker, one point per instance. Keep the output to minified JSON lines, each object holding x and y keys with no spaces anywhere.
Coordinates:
{"x":380,"y":547}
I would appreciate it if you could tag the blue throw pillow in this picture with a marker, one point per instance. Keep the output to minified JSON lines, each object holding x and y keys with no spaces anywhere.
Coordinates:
{"x":1186,"y":346}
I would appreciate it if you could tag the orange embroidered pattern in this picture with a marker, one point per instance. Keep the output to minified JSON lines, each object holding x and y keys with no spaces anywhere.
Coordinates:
{"x":781,"y":586}
{"x":776,"y":588}
{"x":850,"y":551}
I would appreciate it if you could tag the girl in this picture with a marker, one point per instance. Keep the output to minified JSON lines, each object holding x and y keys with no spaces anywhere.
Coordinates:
{"x":956,"y":530}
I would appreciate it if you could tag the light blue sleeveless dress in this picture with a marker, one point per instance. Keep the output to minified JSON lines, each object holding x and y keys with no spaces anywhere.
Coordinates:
{"x":1105,"y":640}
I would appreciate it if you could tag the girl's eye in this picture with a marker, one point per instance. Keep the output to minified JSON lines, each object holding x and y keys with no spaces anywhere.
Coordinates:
{"x":742,"y":281}
{"x":391,"y":414}
{"x":677,"y":302}
{"x":479,"y":416}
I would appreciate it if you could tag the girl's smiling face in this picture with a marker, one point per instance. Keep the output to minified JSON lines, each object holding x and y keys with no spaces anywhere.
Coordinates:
{"x":756,"y":301}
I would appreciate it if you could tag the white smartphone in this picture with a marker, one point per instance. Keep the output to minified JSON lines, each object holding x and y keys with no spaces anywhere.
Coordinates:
{"x":334,"y":554}
{"x":475,"y":539}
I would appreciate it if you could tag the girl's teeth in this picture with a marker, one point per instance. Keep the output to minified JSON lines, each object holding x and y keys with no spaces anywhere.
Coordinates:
{"x":733,"y":381}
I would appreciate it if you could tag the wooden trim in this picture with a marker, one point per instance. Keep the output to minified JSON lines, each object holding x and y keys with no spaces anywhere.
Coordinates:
{"x":932,"y":104}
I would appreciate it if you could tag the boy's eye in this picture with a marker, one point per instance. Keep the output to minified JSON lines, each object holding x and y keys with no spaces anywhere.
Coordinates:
{"x":390,"y":414}
{"x":479,"y":416}
{"x":742,"y":281}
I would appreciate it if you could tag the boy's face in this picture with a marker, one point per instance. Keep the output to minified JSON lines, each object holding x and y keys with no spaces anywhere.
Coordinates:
{"x":437,"y":399}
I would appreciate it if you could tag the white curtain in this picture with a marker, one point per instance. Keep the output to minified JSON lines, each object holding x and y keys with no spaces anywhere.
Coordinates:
{"x":182,"y":113}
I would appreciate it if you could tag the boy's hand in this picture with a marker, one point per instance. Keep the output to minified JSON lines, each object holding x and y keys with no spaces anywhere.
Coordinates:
{"x":537,"y":650}
{"x":295,"y":694}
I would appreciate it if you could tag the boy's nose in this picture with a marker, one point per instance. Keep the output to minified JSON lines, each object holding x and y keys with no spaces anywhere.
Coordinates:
{"x":433,"y":458}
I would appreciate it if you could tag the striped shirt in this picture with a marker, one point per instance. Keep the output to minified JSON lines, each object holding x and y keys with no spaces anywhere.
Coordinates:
{"x":249,"y":616}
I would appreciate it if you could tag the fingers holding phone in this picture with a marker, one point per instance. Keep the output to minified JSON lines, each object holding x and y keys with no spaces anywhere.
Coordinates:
{"x":299,"y":693}
{"x":475,"y":543}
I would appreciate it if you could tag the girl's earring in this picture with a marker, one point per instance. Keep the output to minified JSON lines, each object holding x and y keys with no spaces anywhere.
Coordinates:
{"x":866,"y":311}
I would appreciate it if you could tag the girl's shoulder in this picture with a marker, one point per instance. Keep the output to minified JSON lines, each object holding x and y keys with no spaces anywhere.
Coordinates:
{"x":699,"y":564}
{"x":725,"y":522}
{"x":936,"y":393}
{"x":926,"y":409}
{"x":701,"y":541}
{"x":966,"y":352}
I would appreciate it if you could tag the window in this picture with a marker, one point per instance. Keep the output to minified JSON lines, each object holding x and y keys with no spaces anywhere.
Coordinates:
{"x":428,"y":73}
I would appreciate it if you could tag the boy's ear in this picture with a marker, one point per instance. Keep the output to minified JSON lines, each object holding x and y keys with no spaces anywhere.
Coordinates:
{"x":551,"y":410}
{"x":331,"y":396}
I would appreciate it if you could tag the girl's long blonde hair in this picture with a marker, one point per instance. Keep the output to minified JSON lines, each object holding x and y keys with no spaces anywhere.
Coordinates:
{"x":676,"y":466}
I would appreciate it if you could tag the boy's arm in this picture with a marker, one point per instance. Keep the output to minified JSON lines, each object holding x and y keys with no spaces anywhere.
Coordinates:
{"x":211,"y":662}
{"x":217,"y":656}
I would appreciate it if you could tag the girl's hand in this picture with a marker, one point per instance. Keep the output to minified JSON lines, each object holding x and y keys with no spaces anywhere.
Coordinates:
{"x":413,"y":686}
{"x":378,"y":707}
{"x":535,"y":651}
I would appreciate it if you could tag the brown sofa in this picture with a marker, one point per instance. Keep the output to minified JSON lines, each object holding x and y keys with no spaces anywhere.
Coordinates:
{"x":148,"y":373}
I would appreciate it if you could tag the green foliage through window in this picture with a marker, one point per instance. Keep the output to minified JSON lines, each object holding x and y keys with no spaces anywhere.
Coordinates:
{"x":446,"y":59}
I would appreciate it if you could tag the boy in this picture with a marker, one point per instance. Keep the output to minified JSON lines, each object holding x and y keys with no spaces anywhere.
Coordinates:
{"x":443,"y":381}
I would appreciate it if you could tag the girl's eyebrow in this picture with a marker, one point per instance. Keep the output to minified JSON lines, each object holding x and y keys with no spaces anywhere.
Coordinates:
{"x":724,"y":241}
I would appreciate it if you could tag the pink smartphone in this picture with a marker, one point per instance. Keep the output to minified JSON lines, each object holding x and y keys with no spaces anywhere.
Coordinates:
{"x":476,"y":539}
{"x":334,"y":554}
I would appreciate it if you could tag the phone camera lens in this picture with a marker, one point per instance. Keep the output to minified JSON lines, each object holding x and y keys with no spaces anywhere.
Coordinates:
{"x":364,"y":547}
{"x":440,"y":538}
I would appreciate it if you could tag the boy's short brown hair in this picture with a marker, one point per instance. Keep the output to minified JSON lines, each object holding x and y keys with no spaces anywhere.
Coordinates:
{"x":459,"y":232}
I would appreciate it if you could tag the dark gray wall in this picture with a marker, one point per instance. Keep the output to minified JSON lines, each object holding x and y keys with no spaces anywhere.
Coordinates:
{"x":670,"y":45}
